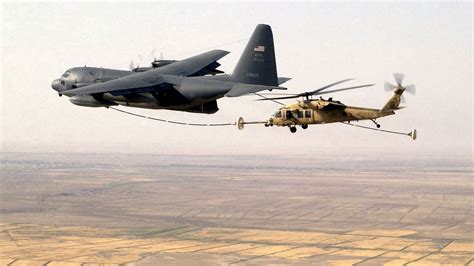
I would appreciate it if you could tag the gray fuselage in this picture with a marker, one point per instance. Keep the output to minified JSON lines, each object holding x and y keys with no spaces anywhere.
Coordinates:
{"x":168,"y":97}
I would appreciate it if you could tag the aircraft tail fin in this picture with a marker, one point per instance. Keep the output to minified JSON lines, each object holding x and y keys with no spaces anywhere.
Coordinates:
{"x":394,"y":102}
{"x":257,"y":64}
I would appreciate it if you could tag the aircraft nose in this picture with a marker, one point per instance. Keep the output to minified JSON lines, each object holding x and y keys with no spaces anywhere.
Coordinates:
{"x":55,"y":85}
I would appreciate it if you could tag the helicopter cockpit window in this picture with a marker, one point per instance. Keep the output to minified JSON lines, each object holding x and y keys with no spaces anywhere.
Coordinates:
{"x":67,"y":73}
{"x":300,"y":114}
{"x":277,"y":114}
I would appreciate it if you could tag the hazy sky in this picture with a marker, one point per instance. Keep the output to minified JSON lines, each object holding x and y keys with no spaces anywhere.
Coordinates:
{"x":316,"y":44}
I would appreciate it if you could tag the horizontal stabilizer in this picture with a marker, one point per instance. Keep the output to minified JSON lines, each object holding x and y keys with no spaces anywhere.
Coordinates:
{"x":231,"y":89}
{"x":243,"y":89}
{"x":282,"y":80}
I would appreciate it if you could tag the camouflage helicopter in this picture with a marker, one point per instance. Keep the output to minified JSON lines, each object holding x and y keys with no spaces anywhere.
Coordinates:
{"x":320,"y":111}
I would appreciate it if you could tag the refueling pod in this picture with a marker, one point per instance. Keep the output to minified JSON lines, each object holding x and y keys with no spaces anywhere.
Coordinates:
{"x":90,"y":101}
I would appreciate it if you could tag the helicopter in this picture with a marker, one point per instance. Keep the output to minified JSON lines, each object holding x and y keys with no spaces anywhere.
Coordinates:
{"x":309,"y":111}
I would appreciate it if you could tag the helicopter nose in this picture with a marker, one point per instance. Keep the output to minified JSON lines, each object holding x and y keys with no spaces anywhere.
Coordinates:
{"x":55,"y":85}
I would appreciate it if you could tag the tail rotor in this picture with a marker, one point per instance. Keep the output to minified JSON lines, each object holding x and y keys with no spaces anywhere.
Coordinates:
{"x":399,"y":78}
{"x":411,"y":89}
{"x":399,"y":88}
{"x":389,"y":86}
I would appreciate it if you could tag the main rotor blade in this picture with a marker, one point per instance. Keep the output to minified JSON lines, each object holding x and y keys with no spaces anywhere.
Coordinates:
{"x":266,"y":98}
{"x":345,"y":89}
{"x":320,"y":93}
{"x":398,"y":78}
{"x":388,"y":86}
{"x":309,"y":93}
{"x":280,"y":98}
{"x":325,"y":87}
{"x":277,"y":94}
{"x":411,"y":89}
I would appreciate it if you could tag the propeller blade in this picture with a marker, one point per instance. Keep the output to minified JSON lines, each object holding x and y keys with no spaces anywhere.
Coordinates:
{"x":153,"y":53}
{"x":398,"y":78}
{"x":345,"y":89}
{"x":388,"y":86}
{"x":132,"y":65}
{"x":411,"y":89}
{"x":402,"y":100}
{"x":161,"y":56}
{"x":325,"y":87}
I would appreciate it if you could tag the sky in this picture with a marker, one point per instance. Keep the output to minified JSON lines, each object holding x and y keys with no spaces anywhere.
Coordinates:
{"x":316,"y":43}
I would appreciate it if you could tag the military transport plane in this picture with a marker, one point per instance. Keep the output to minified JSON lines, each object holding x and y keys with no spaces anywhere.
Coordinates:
{"x":190,"y":85}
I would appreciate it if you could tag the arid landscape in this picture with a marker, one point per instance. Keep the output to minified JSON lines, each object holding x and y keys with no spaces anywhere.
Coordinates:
{"x":89,"y":209}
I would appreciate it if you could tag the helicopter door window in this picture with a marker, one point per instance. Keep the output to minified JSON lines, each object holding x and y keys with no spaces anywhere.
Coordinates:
{"x":300,"y":114}
{"x":307,"y":113}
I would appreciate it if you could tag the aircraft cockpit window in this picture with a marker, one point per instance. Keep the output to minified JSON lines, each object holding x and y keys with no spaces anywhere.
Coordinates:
{"x":277,"y":114}
{"x":67,"y":73}
{"x":300,"y":114}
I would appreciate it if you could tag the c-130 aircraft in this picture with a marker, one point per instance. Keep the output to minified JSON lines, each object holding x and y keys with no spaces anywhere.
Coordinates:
{"x":189,"y":85}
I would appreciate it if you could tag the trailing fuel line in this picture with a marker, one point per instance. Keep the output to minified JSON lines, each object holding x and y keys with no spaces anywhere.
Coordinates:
{"x":174,"y":122}
{"x":240,"y":123}
{"x":412,"y":134}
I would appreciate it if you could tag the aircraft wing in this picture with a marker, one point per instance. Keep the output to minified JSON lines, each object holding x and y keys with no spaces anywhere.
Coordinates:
{"x":228,"y":88}
{"x":148,"y":79}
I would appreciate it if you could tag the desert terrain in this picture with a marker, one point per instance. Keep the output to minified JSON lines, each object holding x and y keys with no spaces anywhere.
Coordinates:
{"x":124,"y":209}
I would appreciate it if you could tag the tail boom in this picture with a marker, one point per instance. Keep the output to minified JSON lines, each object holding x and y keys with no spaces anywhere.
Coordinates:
{"x":394,"y":102}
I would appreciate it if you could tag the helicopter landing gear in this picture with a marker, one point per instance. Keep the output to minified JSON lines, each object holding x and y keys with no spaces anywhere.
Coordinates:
{"x":377,"y":124}
{"x":304,"y":126}
{"x":60,"y":94}
{"x":292,"y":129}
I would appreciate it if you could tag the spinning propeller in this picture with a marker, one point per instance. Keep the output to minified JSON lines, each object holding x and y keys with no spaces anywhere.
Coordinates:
{"x":134,"y":65}
{"x":399,"y":81}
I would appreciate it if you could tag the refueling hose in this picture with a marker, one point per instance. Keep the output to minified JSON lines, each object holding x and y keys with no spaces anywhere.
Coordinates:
{"x":174,"y":122}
